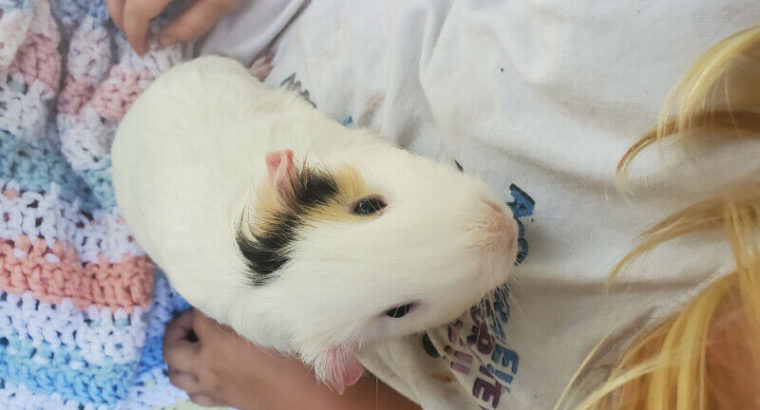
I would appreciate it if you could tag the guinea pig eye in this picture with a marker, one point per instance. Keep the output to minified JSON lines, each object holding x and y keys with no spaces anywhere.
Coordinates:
{"x":368,"y":206}
{"x":399,"y":311}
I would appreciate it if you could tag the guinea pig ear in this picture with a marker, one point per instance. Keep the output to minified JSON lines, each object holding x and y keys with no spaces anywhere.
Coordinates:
{"x":339,"y":368}
{"x":282,"y":172}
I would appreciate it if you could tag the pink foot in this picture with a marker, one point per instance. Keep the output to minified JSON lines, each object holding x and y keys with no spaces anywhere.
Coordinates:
{"x":262,"y":67}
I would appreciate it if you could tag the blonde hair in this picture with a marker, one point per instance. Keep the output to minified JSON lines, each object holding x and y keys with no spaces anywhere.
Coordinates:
{"x":707,"y":356}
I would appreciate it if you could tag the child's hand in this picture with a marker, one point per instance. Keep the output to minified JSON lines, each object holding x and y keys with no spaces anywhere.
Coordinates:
{"x":217,"y":367}
{"x":133,"y":16}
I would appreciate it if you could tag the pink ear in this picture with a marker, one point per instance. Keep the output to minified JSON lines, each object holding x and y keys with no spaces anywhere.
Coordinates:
{"x":339,"y":368}
{"x":282,"y":173}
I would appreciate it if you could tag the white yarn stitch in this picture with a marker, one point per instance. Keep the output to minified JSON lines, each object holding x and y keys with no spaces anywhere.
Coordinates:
{"x":25,"y":111}
{"x":157,"y":60}
{"x":86,"y":140}
{"x":13,"y":27}
{"x":107,"y":236}
{"x":89,"y":56}
{"x":42,"y":20}
{"x":94,"y":332}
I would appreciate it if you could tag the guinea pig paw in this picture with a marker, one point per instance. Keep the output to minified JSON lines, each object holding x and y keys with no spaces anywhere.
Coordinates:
{"x":339,"y":368}
{"x":262,"y":67}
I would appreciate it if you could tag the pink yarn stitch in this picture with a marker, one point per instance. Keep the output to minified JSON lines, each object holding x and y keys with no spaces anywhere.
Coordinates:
{"x":75,"y":94}
{"x":38,"y":59}
{"x":54,"y":273}
{"x":116,"y":94}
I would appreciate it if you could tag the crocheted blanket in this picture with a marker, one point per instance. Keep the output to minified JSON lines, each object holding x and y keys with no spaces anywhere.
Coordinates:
{"x":82,"y":310}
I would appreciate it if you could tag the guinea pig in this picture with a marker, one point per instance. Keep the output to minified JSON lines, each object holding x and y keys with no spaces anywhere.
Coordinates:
{"x":299,"y":233}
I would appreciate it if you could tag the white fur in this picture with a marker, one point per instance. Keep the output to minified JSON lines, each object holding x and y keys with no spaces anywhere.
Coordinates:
{"x":189,"y":155}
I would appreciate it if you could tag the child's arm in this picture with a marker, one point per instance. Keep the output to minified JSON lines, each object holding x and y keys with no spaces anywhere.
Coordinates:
{"x":133,"y":16}
{"x":218,"y":367}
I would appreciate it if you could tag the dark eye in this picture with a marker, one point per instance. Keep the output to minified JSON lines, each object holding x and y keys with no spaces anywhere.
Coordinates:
{"x":399,"y":311}
{"x":368,"y":206}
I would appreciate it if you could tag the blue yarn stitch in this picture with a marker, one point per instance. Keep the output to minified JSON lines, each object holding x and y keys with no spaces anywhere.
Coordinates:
{"x":71,"y":12}
{"x":166,"y":305}
{"x":152,"y":355}
{"x":105,"y":384}
{"x":35,"y":167}
{"x":100,"y":181}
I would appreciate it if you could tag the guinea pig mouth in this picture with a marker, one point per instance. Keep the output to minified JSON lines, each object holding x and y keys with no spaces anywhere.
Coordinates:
{"x":399,"y":311}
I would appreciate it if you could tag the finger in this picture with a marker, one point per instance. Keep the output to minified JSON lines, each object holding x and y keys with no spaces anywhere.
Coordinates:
{"x":262,"y":62}
{"x":185,"y":381}
{"x":206,"y":400}
{"x":207,"y":328}
{"x":182,"y":357}
{"x":135,"y":19}
{"x":116,"y":10}
{"x":179,"y":328}
{"x":195,"y":21}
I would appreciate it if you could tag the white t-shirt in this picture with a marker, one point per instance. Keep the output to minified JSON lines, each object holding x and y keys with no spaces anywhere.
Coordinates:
{"x":540,"y":99}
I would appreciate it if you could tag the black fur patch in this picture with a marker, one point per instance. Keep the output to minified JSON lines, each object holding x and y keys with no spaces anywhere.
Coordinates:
{"x":315,"y":188}
{"x":267,"y":253}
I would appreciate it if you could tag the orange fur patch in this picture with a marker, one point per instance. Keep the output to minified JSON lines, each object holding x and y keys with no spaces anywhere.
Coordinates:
{"x":271,"y":205}
{"x":351,"y":188}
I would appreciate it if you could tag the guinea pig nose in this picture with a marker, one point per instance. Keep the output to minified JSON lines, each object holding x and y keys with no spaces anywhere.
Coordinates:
{"x":495,"y":225}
